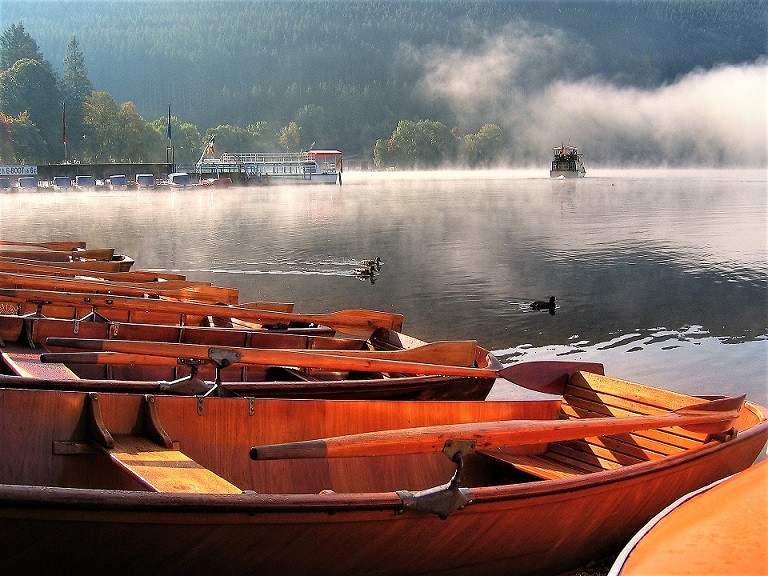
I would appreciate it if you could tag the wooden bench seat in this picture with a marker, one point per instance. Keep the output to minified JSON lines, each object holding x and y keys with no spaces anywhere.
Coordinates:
{"x":165,"y":469}
{"x":592,"y":396}
{"x":541,"y":466}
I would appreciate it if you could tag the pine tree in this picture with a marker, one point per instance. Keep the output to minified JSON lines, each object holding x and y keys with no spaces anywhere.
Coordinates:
{"x":75,"y":89}
{"x":16,"y":44}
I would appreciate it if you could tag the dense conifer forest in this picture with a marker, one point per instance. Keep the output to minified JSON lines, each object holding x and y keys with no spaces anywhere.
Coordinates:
{"x":360,"y":75}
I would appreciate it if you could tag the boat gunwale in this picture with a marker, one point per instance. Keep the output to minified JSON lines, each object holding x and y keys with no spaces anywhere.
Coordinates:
{"x":334,"y":503}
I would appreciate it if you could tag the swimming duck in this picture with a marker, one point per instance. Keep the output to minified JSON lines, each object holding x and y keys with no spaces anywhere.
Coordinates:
{"x":540,"y":305}
{"x":375,"y":263}
{"x":369,"y":270}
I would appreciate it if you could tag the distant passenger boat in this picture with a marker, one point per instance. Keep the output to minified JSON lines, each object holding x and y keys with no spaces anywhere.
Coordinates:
{"x":566,"y":163}
{"x":310,"y":167}
{"x":145,"y":180}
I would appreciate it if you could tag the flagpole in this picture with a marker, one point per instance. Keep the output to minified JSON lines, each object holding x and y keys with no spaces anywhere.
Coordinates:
{"x":64,"y":128}
{"x":169,"y":159}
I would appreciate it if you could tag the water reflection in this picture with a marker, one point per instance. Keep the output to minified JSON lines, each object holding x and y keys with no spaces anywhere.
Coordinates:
{"x":625,"y":252}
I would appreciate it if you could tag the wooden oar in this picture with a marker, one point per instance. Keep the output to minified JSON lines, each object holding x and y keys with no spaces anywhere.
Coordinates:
{"x":20,"y":265}
{"x":548,"y":372}
{"x":93,"y":254}
{"x":66,"y":246}
{"x":171,"y":289}
{"x":353,"y":322}
{"x":462,"y":353}
{"x":708,"y":417}
{"x":81,"y":265}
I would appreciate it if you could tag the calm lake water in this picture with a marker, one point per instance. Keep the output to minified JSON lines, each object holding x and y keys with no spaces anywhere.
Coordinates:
{"x":662,"y":275}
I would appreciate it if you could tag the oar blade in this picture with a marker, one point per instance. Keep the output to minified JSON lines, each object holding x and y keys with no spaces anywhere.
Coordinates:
{"x":547,"y":376}
{"x":727,"y":408}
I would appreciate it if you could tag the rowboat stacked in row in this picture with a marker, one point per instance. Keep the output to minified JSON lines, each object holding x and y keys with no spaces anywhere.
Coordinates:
{"x":150,"y":446}
{"x":37,"y":304}
{"x":72,"y":254}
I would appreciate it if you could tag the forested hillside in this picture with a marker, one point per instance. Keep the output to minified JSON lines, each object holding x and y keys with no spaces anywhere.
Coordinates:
{"x":347,"y":72}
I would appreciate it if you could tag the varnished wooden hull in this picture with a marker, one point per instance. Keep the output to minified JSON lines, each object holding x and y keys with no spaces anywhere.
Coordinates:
{"x":720,"y":529}
{"x":275,"y":382}
{"x":63,"y":501}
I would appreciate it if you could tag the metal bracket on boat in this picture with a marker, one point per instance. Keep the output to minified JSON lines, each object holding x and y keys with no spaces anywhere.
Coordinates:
{"x":443,"y":499}
{"x":725,"y":436}
{"x":221,"y":358}
{"x":93,"y":316}
{"x":190,"y":385}
{"x":38,"y":313}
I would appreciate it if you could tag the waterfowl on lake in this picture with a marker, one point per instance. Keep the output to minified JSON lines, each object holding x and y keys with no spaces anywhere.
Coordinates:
{"x":541,"y":305}
{"x":372,"y":263}
{"x":366,"y":272}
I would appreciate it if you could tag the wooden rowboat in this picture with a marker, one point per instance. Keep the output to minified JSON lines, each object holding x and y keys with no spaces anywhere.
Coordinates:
{"x":169,"y":484}
{"x":25,"y":338}
{"x":719,"y":529}
{"x":59,"y":304}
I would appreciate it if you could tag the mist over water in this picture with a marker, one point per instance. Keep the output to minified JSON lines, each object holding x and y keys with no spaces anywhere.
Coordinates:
{"x":660,"y":274}
{"x":541,"y":84}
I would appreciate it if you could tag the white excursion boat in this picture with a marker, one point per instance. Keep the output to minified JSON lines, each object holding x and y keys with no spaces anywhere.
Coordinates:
{"x":308,"y":167}
{"x":566,"y":163}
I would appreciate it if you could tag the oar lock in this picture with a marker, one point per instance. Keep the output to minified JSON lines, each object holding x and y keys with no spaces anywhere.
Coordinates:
{"x":443,"y":499}
{"x":223,"y":357}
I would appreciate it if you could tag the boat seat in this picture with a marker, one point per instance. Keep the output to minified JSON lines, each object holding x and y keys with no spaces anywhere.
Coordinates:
{"x":28,"y":365}
{"x":540,"y":465}
{"x":163,"y":469}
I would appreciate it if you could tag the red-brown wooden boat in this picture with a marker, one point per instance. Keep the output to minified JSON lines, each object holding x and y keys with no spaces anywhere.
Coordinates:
{"x":159,"y":484}
{"x":26,"y":337}
{"x":719,"y":529}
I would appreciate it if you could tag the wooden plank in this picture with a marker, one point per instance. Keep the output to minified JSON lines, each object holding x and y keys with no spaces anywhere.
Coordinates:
{"x":629,"y":391}
{"x":673,"y":436}
{"x":165,"y":469}
{"x":580,"y":453}
{"x":637,"y":447}
{"x":538,"y":466}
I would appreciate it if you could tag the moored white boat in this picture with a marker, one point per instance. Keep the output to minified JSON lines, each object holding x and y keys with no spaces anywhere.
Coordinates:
{"x":309,"y":167}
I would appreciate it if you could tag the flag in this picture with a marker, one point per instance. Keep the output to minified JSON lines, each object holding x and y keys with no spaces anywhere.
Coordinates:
{"x":209,"y":149}
{"x":168,"y":130}
{"x":64,"y":123}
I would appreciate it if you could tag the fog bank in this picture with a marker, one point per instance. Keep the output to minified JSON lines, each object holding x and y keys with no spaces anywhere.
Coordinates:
{"x":541,"y":87}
